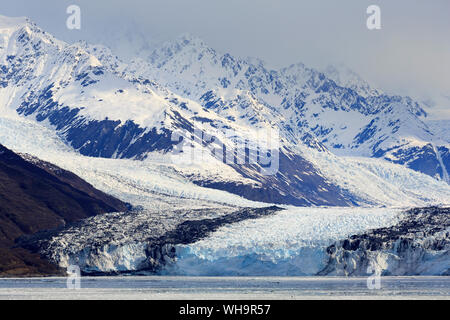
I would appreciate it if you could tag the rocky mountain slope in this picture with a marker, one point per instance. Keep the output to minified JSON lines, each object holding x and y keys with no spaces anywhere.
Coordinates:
{"x":36,"y":196}
{"x":418,"y":245}
{"x":188,"y":94}
{"x":335,"y":108}
{"x":102,"y":112}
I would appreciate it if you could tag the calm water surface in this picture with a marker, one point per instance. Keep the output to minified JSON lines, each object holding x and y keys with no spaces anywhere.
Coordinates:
{"x":226,"y":288}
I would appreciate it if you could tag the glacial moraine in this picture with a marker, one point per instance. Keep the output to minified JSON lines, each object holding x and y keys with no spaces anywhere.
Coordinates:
{"x":134,"y":242}
{"x":418,"y":245}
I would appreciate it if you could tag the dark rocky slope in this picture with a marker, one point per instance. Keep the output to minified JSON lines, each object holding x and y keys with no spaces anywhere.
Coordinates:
{"x":36,"y":196}
{"x":418,"y":245}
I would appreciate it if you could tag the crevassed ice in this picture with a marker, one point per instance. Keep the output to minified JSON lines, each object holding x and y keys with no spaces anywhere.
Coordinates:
{"x":292,"y":242}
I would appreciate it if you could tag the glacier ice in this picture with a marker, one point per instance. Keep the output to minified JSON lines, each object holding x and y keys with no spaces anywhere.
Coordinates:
{"x":292,"y":242}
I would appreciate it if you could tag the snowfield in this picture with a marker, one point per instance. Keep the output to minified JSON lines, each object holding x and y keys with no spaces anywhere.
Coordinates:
{"x":377,"y":182}
{"x":151,"y":182}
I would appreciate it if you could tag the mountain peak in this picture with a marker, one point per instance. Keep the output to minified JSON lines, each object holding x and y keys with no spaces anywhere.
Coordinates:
{"x":189,"y":39}
{"x":346,"y":77}
{"x":13,"y":22}
{"x":24,"y":28}
{"x":184,"y":44}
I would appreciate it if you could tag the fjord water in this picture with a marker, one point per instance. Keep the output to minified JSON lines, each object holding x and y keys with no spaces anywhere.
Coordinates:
{"x":173,"y":288}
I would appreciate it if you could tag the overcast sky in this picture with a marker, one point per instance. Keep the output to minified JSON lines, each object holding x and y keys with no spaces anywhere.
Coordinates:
{"x":409,"y":55}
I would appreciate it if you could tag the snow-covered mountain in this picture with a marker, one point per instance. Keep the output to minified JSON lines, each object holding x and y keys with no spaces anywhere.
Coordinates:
{"x":345,"y":77}
{"x":104,"y":112}
{"x":120,"y":125}
{"x":104,"y":107}
{"x":338,"y":108}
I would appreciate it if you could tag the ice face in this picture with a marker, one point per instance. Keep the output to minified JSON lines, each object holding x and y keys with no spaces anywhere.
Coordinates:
{"x":293,"y":242}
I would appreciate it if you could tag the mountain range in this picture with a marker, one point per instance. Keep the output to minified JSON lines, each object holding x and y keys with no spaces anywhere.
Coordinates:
{"x":184,"y":147}
{"x":104,"y":107}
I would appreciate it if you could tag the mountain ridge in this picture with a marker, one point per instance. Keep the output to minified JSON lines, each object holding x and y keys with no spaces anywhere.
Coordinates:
{"x":104,"y":107}
{"x":385,"y":126}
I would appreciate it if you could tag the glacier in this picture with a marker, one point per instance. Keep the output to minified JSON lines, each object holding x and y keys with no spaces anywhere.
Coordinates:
{"x":374,"y":182}
{"x":291,"y":243}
